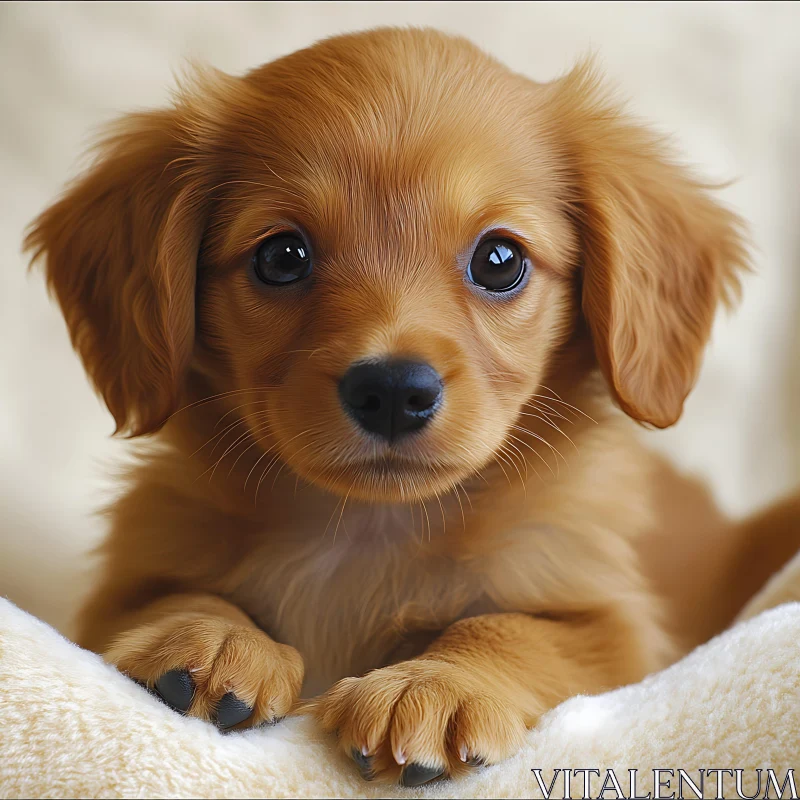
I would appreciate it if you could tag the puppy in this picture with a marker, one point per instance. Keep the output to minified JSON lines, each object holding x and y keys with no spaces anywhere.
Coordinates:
{"x":377,"y":305}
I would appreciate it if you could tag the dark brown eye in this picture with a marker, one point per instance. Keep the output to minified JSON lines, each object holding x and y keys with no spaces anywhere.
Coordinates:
{"x":282,"y":259}
{"x":497,"y":265}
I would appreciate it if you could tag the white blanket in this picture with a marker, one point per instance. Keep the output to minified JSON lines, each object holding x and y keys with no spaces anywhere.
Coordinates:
{"x":72,"y":726}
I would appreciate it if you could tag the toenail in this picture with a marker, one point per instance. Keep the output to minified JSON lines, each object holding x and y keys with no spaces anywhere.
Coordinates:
{"x":231,"y":711}
{"x":363,"y":762}
{"x":176,"y":688}
{"x":417,"y":774}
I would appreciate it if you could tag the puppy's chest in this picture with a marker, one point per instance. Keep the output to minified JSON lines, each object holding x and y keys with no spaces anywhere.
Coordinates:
{"x":377,"y":594}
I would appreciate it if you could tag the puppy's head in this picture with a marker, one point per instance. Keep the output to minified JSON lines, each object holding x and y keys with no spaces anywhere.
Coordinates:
{"x":383,"y":242}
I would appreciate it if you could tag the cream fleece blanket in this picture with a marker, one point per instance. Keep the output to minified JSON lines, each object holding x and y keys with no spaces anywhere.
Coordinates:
{"x":72,"y":726}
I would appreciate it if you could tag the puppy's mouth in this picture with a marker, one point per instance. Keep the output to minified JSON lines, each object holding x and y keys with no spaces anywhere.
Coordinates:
{"x":390,"y":465}
{"x":390,"y":478}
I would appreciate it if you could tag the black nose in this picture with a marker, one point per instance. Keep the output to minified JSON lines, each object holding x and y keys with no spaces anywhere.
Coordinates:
{"x":391,"y":398}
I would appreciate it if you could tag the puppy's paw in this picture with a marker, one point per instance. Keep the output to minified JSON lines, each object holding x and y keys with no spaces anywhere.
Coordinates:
{"x":419,"y":720}
{"x":233,"y":675}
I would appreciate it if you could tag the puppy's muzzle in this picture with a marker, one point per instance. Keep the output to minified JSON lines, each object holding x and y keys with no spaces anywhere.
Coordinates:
{"x":391,"y":398}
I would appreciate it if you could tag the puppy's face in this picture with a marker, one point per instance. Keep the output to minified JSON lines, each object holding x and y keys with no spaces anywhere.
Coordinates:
{"x":382,"y":242}
{"x":390,"y":277}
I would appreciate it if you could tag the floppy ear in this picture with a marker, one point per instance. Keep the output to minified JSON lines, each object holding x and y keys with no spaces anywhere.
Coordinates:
{"x":121,"y":247}
{"x":659,"y":253}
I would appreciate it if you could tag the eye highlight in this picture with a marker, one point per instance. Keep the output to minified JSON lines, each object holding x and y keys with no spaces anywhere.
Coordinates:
{"x":282,"y":259}
{"x":497,"y":265}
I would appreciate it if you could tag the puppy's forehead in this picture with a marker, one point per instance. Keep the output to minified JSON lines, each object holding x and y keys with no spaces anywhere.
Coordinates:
{"x":385,"y":88}
{"x":395,"y":132}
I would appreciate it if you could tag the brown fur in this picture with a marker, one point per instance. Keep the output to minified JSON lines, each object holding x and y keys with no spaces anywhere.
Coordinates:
{"x":486,"y":569}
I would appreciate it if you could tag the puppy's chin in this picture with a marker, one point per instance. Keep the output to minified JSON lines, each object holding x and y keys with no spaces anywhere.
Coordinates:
{"x":385,"y":479}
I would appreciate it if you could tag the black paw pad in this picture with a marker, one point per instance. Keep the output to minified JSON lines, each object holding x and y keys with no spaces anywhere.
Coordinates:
{"x":176,"y":689}
{"x":417,"y":774}
{"x":364,"y":764}
{"x":231,"y":711}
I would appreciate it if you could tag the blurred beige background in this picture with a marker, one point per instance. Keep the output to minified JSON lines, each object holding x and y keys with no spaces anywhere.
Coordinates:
{"x":723,"y":77}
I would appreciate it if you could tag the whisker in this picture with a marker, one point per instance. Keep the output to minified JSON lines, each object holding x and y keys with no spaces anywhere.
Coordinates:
{"x":252,"y":469}
{"x":461,"y":506}
{"x":341,"y":513}
{"x":278,"y":458}
{"x":466,"y":494}
{"x":520,"y":453}
{"x":512,"y":463}
{"x":544,"y":441}
{"x":236,"y":408}
{"x":212,"y":468}
{"x":444,"y":519}
{"x":552,"y":425}
{"x":253,"y":433}
{"x":215,"y":436}
{"x":232,"y":447}
{"x":536,"y":453}
{"x":469,"y":454}
{"x":497,"y":453}
{"x":411,"y":508}
{"x":422,"y":504}
{"x":260,"y":416}
{"x":558,"y":399}
{"x":330,"y":519}
{"x":266,"y":472}
{"x":549,"y":411}
{"x":283,"y":466}
{"x":244,"y":452}
{"x":219,"y":396}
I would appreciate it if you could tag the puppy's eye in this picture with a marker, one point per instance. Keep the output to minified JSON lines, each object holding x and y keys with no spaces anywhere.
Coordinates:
{"x":282,"y":259}
{"x":497,"y":265}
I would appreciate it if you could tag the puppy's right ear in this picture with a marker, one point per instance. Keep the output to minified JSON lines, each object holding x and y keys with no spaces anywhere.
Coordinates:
{"x":120,"y":251}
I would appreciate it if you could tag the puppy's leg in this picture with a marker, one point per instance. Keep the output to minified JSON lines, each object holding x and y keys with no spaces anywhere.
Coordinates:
{"x":206,"y":658}
{"x":471,"y":696}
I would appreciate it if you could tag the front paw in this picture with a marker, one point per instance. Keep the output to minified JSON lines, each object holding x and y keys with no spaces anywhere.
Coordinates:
{"x":419,"y":720}
{"x":233,"y":675}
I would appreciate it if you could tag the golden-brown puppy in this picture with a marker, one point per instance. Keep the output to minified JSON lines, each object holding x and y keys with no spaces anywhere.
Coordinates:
{"x":376,"y":299}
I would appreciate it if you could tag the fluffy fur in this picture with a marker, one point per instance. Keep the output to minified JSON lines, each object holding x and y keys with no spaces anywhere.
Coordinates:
{"x":443,"y":593}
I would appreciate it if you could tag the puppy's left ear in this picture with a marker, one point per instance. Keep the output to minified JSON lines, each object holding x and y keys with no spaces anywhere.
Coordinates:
{"x":659,"y":254}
